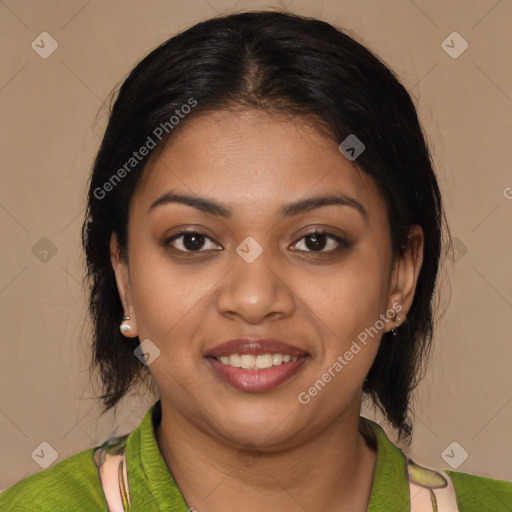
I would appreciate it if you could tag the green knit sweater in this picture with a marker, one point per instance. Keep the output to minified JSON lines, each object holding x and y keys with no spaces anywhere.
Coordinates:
{"x":73,"y":484}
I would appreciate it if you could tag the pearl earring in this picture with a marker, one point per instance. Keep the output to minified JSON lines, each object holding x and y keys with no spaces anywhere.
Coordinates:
{"x":125,"y":326}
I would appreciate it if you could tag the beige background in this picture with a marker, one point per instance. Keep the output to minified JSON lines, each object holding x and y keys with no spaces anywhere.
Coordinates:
{"x":50,"y":135}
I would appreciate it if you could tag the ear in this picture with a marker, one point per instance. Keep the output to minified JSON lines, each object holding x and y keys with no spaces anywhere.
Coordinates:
{"x":121,"y":270}
{"x":406,"y":269}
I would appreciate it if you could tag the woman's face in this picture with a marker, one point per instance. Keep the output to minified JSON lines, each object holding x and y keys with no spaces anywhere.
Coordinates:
{"x":256,"y":270}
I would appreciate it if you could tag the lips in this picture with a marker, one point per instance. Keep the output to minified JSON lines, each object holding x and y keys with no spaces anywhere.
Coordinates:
{"x":255,"y":364}
{"x":254,"y":346}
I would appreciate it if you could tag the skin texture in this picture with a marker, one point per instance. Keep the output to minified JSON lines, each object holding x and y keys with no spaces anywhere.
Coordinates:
{"x":228,"y":449}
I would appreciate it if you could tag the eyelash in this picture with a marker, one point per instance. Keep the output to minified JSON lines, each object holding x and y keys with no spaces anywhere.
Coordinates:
{"x":342,"y":243}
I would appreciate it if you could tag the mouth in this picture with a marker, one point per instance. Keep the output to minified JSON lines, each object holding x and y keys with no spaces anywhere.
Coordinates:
{"x":256,"y":365}
{"x":256,"y":362}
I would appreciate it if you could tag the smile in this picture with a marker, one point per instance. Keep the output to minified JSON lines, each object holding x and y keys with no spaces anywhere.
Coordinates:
{"x":259,"y":362}
{"x":255,"y":365}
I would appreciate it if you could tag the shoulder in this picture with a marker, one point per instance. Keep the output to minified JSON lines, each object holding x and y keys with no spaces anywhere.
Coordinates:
{"x":72,"y":484}
{"x":473,"y":493}
{"x":477,"y":493}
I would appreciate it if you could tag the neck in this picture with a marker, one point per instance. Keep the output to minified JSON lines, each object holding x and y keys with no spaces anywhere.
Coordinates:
{"x":332,"y":471}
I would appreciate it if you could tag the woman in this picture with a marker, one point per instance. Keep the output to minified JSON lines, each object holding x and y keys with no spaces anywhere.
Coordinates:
{"x":263,"y":237}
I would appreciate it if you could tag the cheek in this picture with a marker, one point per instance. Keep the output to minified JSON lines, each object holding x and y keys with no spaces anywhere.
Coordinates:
{"x":170,"y":309}
{"x":169,"y":298}
{"x":168,"y":302}
{"x":348,"y":304}
{"x":350,"y":296}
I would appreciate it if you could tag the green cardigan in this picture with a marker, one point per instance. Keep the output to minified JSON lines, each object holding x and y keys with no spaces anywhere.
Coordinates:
{"x":73,"y":484}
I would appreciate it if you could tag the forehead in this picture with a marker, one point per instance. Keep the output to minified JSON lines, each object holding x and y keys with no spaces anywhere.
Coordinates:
{"x":250,"y":159}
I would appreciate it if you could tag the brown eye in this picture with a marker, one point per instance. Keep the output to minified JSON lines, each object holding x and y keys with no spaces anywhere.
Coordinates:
{"x":316,"y":241}
{"x":191,"y":241}
{"x":320,"y":241}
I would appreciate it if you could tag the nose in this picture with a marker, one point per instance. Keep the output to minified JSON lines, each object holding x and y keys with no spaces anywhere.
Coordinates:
{"x":255,"y":292}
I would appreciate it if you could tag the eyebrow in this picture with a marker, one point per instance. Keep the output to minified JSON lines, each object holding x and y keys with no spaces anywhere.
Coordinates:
{"x":286,"y":210}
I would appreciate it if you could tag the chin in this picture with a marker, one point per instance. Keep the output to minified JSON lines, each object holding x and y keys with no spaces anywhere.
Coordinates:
{"x":261,"y":426}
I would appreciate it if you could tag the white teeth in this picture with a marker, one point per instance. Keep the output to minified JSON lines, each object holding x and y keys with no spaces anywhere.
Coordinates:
{"x":264,"y":361}
{"x":234,"y":360}
{"x":277,"y":359}
{"x":247,"y":361}
{"x":259,"y":362}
